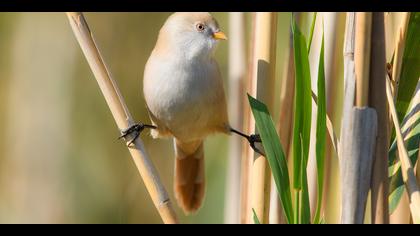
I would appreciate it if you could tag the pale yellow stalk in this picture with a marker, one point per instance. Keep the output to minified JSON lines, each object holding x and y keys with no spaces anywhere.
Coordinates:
{"x":362,"y":56}
{"x":262,"y":87}
{"x":122,"y":116}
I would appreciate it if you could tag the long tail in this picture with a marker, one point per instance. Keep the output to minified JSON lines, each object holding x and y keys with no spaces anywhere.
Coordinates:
{"x":189,"y":184}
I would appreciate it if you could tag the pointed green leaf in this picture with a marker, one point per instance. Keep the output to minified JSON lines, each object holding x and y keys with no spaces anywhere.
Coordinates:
{"x":311,"y":34}
{"x":302,"y":106}
{"x":256,"y":220}
{"x":321,"y":127}
{"x":274,"y":154}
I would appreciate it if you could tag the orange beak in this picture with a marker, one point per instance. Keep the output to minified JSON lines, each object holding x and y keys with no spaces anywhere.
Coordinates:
{"x":219,"y":36}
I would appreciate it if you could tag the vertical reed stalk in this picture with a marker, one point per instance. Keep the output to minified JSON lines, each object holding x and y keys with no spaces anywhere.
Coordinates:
{"x":418,"y":167}
{"x":397,"y":30}
{"x":399,"y":52}
{"x":247,"y":155}
{"x":263,"y":79}
{"x":377,"y":100}
{"x":362,"y":56}
{"x":236,"y":90}
{"x":334,"y":24}
{"x":122,"y":116}
{"x":349,"y":79}
{"x":287,"y":93}
{"x":359,"y":125}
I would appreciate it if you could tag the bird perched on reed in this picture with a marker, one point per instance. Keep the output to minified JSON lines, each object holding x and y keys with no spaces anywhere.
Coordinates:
{"x":184,"y":93}
{"x":185,"y":98}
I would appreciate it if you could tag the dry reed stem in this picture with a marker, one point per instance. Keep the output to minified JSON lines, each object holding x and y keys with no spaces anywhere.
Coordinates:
{"x":357,"y":164}
{"x":334,"y":34}
{"x":362,"y":56}
{"x":358,"y":130}
{"x":286,"y":103}
{"x":263,"y":81}
{"x":349,"y":79}
{"x":247,"y":154}
{"x":406,"y":165}
{"x":237,"y":70}
{"x":418,"y":166}
{"x":377,"y":100}
{"x":122,"y":116}
{"x":287,"y":93}
{"x":399,"y":53}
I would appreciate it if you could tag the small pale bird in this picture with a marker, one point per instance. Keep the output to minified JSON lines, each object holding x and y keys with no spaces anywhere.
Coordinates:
{"x":184,"y":93}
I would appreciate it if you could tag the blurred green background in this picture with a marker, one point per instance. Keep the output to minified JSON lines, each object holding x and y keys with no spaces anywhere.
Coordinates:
{"x":60,"y":161}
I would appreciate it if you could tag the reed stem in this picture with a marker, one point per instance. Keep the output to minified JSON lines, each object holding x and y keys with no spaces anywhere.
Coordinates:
{"x":263,"y":79}
{"x":399,"y":52}
{"x":122,"y":116}
{"x":377,"y":100}
{"x":362,"y":56}
{"x":237,"y":68}
{"x":359,"y":125}
{"x":248,"y":127}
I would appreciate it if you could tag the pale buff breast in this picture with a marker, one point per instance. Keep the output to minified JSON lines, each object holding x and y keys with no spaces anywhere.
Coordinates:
{"x":187,"y":97}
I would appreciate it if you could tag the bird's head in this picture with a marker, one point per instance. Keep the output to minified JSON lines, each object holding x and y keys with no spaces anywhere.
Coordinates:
{"x":193,"y":33}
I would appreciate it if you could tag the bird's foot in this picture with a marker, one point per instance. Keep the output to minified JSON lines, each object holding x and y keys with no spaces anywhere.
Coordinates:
{"x":252,"y":139}
{"x":255,"y":138}
{"x":134,"y":131}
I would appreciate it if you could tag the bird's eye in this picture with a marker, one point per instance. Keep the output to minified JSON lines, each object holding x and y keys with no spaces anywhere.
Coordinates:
{"x":200,"y":27}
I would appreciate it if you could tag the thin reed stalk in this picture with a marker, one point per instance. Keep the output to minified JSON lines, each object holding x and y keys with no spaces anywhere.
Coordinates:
{"x":287,"y":93}
{"x":247,"y":154}
{"x":263,"y":79}
{"x":377,"y":100}
{"x":397,"y":32}
{"x":237,"y":68}
{"x":396,"y":29}
{"x":406,"y":165}
{"x":399,"y":52}
{"x":418,"y":167}
{"x":334,"y":25}
{"x":122,"y":116}
{"x":362,"y":56}
{"x":349,"y":78}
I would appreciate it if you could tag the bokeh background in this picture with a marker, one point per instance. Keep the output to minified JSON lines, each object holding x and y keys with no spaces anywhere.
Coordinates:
{"x":60,"y":160}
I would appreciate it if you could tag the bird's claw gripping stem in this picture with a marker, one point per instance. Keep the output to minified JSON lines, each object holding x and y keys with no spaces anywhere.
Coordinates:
{"x":255,"y":138}
{"x":134,"y":131}
{"x":252,"y":139}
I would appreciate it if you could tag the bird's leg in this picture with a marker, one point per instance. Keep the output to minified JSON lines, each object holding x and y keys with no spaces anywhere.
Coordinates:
{"x":135,"y":131}
{"x":252,"y":139}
